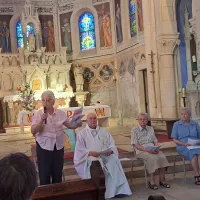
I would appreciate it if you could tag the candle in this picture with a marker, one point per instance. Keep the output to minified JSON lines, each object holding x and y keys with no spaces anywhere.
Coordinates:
{"x":183,"y":92}
{"x":194,"y":59}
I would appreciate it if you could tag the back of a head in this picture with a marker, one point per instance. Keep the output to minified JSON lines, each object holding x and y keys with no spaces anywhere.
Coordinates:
{"x":18,"y":177}
{"x":156,"y":197}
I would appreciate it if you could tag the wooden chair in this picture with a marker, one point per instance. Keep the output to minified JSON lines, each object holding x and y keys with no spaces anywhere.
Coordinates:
{"x":34,"y":156}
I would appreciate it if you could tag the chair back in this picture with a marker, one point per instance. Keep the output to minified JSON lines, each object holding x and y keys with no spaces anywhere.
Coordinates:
{"x":34,"y":155}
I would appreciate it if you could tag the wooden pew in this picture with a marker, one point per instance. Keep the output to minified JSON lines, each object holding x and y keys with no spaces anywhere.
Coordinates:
{"x":76,"y":190}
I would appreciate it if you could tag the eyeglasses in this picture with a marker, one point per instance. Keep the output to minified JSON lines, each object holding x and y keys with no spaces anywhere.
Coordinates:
{"x":46,"y":100}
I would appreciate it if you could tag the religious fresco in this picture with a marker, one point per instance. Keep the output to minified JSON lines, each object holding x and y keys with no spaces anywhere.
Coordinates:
{"x":87,"y":31}
{"x":118,"y":21}
{"x":140,"y":15}
{"x":131,"y":66}
{"x":106,"y":73}
{"x":122,"y":68}
{"x":47,"y":29}
{"x":5,"y":33}
{"x":88,"y":74}
{"x":104,"y":21}
{"x":132,"y":16}
{"x":65,"y":31}
{"x":96,"y":66}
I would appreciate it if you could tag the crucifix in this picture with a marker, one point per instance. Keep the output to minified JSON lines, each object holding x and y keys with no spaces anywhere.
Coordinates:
{"x":152,"y":71}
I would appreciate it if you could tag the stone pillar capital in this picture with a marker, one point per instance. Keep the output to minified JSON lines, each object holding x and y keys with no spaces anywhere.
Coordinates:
{"x":167,"y":46}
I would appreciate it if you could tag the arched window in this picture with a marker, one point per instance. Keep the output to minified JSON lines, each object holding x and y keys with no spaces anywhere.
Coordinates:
{"x":29,"y":29}
{"x":132,"y":16}
{"x":87,"y":31}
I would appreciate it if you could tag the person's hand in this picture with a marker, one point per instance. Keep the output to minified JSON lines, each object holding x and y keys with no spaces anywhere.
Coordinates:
{"x":186,"y":144}
{"x":79,"y":124}
{"x":44,"y":116}
{"x":152,"y":152}
{"x":94,"y":154}
{"x":108,"y":153}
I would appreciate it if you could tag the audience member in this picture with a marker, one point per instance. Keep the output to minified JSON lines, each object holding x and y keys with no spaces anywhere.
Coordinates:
{"x":18,"y":177}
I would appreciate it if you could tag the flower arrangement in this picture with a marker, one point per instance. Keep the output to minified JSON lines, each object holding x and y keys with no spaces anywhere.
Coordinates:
{"x":26,"y":96}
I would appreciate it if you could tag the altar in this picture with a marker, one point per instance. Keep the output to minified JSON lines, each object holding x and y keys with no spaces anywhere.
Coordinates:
{"x":103,"y":113}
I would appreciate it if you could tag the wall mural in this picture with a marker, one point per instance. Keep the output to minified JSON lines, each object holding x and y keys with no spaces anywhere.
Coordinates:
{"x":47,"y":27}
{"x":5,"y":33}
{"x":118,"y":21}
{"x":66,"y":31}
{"x":88,"y":74}
{"x":104,"y":21}
{"x":106,"y":72}
{"x":122,"y":68}
{"x":140,"y":15}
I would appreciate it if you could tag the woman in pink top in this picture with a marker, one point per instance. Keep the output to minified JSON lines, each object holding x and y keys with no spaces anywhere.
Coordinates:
{"x":47,"y":127}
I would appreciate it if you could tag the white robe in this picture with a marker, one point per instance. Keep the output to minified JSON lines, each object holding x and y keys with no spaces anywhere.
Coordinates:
{"x":98,"y":140}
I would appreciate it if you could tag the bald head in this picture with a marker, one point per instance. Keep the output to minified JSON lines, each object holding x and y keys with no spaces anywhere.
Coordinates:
{"x":92,"y":120}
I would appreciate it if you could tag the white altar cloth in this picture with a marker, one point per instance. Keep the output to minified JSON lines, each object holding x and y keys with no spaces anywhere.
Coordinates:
{"x":103,"y":113}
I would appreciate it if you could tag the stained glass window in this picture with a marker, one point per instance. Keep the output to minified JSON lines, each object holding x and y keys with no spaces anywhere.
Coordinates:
{"x":87,"y":31}
{"x":132,"y":15}
{"x":29,"y":29}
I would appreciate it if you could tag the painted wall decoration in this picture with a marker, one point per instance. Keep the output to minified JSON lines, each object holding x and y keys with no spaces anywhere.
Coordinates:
{"x":122,"y":68}
{"x":87,"y":31}
{"x":19,"y":33}
{"x":140,"y":15}
{"x":5,"y":33}
{"x":131,"y":66}
{"x":48,"y":38}
{"x":96,"y":66}
{"x":104,"y":22}
{"x":66,"y":31}
{"x":106,"y":73}
{"x":132,"y":16}
{"x":118,"y":21}
{"x":88,"y":74}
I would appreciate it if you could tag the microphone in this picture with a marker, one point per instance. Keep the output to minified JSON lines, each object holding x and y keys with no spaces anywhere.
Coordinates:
{"x":45,"y":111}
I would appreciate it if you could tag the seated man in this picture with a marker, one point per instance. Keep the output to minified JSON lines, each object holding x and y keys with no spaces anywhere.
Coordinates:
{"x":143,"y":139}
{"x":91,"y":141}
{"x":18,"y":177}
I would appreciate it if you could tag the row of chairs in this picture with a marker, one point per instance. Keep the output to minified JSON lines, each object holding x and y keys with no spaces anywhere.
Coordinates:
{"x":125,"y":157}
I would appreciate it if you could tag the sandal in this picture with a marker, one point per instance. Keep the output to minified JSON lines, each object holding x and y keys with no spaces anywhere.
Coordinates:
{"x":153,"y":186}
{"x":166,"y":185}
{"x":197,"y":180}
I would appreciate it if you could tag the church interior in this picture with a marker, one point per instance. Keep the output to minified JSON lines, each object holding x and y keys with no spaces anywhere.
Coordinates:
{"x":120,"y":57}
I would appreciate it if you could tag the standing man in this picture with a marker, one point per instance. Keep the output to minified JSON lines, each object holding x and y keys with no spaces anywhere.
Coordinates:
{"x":47,"y":127}
{"x":91,"y":141}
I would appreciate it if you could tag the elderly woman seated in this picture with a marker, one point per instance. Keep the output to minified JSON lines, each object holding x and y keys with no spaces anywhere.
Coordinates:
{"x":144,"y":141}
{"x":183,"y":130}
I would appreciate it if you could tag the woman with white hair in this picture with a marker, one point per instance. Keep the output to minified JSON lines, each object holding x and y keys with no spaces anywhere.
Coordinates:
{"x":183,"y":130}
{"x":47,"y":127}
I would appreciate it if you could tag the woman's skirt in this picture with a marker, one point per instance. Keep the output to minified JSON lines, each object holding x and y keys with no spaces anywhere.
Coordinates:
{"x":154,"y":161}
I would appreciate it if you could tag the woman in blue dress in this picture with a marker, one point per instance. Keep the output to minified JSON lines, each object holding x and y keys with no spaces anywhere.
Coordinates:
{"x":181,"y":132}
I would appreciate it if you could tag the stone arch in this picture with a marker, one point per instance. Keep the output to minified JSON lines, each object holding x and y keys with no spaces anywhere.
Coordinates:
{"x":75,"y":29}
{"x":13,"y":35}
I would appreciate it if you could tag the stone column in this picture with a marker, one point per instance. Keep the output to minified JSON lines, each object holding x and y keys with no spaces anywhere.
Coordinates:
{"x":55,"y":22}
{"x":167,"y":77}
{"x":37,"y":38}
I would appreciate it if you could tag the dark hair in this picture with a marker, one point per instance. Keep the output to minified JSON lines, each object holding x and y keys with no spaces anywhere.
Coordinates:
{"x":156,"y":197}
{"x":18,"y":177}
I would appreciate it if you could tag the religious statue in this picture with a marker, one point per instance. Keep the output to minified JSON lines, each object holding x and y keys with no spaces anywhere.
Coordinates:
{"x":57,"y":60}
{"x":31,"y":42}
{"x":67,"y":35}
{"x":78,"y":74}
{"x":14,"y":61}
{"x":6,"y":61}
{"x":140,"y":15}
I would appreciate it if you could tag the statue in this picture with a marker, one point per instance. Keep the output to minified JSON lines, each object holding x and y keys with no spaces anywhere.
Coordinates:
{"x":14,"y":61}
{"x":6,"y":61}
{"x":50,"y":60}
{"x":78,"y":74}
{"x":31,"y":42}
{"x":21,"y":55}
{"x":57,"y":60}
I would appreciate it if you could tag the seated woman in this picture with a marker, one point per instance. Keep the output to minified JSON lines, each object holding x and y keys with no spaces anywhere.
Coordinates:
{"x":143,"y":136}
{"x":181,"y":132}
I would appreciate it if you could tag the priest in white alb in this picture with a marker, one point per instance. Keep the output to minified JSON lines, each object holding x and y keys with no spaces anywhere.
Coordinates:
{"x":95,"y":143}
